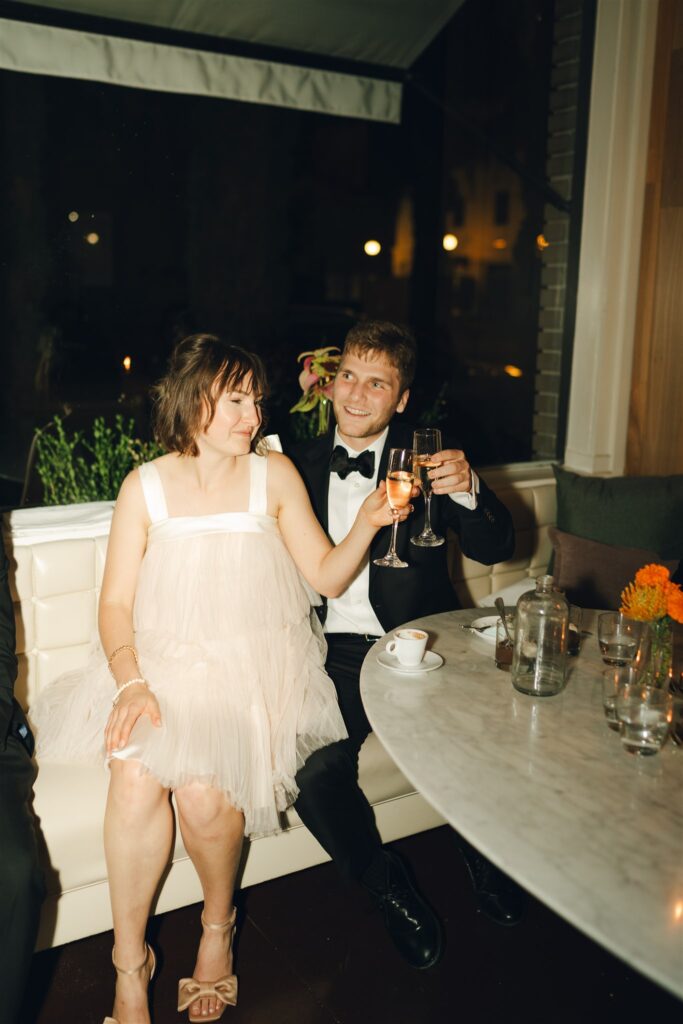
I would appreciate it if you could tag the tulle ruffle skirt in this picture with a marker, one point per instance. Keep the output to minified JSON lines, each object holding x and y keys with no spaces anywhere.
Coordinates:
{"x":226,"y":638}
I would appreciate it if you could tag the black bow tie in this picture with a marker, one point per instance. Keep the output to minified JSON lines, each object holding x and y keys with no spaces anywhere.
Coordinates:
{"x":343,"y":465}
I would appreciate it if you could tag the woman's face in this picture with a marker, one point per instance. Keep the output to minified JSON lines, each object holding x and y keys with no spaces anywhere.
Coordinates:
{"x":235,"y":422}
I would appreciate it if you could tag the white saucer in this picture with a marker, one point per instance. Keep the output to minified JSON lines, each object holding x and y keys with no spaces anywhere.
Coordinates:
{"x":430,"y":661}
{"x":488,"y":624}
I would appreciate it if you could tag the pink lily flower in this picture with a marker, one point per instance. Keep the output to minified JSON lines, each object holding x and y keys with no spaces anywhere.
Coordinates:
{"x":306,"y":378}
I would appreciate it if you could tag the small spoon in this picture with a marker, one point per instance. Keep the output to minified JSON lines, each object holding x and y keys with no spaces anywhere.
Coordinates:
{"x":500,"y":608}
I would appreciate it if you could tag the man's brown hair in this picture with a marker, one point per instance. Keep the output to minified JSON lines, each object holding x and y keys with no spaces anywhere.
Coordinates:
{"x":394,"y":341}
{"x":200,"y":369}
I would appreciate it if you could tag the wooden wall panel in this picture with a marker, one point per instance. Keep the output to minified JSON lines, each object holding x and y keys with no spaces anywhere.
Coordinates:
{"x":662,"y":448}
{"x":655,"y":435}
{"x":672,"y":178}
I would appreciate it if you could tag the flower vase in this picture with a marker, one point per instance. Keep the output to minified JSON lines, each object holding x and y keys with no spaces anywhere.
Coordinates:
{"x":323,"y":416}
{"x":657,"y":670}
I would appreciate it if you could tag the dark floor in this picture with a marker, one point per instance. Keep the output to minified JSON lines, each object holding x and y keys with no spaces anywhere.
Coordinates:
{"x":311,"y":952}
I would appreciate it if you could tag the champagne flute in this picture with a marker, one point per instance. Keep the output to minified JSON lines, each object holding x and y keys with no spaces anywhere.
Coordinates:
{"x":400,"y":476}
{"x":426,"y":443}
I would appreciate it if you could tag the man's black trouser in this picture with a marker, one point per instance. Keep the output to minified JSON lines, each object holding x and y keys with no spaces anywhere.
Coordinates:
{"x":21,"y":879}
{"x":331,"y":803}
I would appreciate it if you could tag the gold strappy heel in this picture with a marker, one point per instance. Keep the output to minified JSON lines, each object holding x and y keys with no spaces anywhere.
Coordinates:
{"x":149,"y":955}
{"x":224,"y":990}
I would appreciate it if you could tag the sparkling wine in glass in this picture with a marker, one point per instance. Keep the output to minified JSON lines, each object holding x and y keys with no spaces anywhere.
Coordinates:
{"x":426,"y":443}
{"x":400,"y":477}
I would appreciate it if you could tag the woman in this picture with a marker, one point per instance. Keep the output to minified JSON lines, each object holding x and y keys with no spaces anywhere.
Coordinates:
{"x":219,"y":692}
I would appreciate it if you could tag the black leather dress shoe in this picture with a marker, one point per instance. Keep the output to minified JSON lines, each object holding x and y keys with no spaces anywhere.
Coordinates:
{"x":501,"y":899}
{"x":414,"y":927}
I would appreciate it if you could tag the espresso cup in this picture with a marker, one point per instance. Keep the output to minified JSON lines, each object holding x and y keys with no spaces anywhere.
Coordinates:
{"x":408,"y":646}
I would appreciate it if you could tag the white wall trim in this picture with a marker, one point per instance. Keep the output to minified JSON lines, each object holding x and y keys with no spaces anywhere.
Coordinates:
{"x":618,"y":135}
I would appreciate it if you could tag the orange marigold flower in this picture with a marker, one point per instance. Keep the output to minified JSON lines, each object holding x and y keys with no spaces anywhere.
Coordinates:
{"x":674,"y":605}
{"x":643,"y":603}
{"x":652,"y":575}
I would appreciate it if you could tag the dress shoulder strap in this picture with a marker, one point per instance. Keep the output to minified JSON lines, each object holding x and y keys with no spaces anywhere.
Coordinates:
{"x":258,"y":484}
{"x":153,"y":490}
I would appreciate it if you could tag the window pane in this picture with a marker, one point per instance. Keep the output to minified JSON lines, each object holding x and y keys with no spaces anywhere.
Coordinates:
{"x":133,"y":218}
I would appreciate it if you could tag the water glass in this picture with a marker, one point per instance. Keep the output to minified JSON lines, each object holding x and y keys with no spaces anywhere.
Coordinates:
{"x":614,"y":680}
{"x":574,"y":630}
{"x":645,"y":714}
{"x":677,"y":720}
{"x":620,"y":638}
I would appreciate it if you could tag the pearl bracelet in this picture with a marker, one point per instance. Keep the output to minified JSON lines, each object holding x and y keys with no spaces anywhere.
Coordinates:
{"x":131,"y":682}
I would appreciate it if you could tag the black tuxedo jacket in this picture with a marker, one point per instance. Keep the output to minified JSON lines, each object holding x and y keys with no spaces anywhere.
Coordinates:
{"x":12,"y":718}
{"x":424,"y":588}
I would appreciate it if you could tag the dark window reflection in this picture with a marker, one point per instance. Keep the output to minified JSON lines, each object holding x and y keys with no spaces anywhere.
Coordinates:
{"x":132,"y":218}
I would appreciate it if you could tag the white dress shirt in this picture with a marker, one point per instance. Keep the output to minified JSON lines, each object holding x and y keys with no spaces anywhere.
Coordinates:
{"x":352,"y":611}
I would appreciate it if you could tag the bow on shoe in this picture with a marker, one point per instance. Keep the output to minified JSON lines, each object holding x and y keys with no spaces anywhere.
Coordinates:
{"x":189,"y":990}
{"x":342,"y":463}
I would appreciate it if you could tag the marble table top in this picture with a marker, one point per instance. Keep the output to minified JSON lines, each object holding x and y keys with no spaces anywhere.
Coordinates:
{"x":543,"y":788}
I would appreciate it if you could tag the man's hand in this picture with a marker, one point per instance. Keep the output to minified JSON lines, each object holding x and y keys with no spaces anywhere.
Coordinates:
{"x":453,"y":475}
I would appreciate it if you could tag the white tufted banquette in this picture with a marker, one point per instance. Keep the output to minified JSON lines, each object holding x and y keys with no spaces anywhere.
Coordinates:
{"x":57,"y":559}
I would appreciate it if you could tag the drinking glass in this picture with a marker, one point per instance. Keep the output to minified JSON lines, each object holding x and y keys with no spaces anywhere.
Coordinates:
{"x":400,"y":476}
{"x":426,"y":443}
{"x":622,"y":641}
{"x":574,"y":630}
{"x":644,"y":714}
{"x":614,"y":680}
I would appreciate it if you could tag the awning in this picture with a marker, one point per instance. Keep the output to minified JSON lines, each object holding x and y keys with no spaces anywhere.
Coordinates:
{"x":388,"y":34}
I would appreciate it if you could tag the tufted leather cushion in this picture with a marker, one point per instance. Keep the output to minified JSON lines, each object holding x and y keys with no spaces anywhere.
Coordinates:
{"x":532,"y":506}
{"x":593,"y":575}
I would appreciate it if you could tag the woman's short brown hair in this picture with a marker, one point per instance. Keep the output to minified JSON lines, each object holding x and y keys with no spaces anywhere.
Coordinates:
{"x":200,"y":369}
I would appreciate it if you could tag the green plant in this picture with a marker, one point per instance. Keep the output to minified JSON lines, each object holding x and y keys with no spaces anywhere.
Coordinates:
{"x":303,"y":428}
{"x":80,"y":467}
{"x":436,"y":412}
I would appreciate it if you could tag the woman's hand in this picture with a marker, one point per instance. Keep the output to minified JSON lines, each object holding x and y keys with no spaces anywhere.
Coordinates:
{"x":376,"y":508}
{"x":137,"y":700}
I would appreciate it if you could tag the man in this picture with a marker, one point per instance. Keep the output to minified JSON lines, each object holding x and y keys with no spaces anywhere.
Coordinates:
{"x":371,"y":390}
{"x":21,"y":881}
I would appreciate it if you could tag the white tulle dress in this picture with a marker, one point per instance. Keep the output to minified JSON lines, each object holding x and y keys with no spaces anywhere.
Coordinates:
{"x":227,"y":639}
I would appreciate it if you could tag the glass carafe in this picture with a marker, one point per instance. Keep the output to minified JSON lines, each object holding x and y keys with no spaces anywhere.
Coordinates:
{"x":539,"y":659}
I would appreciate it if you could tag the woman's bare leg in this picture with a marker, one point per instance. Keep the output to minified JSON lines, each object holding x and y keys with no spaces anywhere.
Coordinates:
{"x":212,"y":831}
{"x":138,"y":829}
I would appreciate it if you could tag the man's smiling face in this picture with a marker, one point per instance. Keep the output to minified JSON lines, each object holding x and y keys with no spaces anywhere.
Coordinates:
{"x":367,"y":393}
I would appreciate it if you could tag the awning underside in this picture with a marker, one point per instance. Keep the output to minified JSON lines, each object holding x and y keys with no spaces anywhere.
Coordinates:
{"x":391,"y":33}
